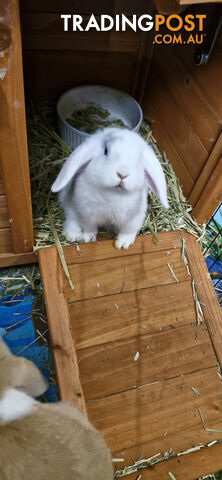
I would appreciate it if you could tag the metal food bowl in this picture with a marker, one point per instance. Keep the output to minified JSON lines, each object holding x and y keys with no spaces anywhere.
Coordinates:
{"x":119,"y":104}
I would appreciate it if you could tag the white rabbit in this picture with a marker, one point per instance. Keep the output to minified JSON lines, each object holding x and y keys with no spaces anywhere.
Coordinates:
{"x":44,"y":441}
{"x":104,"y":183}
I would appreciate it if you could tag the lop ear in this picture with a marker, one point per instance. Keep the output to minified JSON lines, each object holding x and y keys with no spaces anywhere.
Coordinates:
{"x":154,"y":176}
{"x":76,"y":161}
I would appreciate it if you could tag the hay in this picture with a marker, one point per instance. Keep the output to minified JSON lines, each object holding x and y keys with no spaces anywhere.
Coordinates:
{"x":91,"y":118}
{"x":148,"y":463}
{"x":47,"y":153}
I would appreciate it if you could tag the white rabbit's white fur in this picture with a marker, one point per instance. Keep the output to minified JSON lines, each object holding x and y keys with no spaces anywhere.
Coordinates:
{"x":104,"y":183}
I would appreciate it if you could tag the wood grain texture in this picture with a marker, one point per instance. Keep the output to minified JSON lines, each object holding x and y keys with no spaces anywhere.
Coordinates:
{"x":165,"y":144}
{"x":3,"y":212}
{"x":104,"y":247}
{"x":194,"y":2}
{"x":186,"y":140}
{"x":111,"y":368}
{"x":5,"y":241}
{"x":206,"y":293}
{"x":191,"y":466}
{"x":83,"y":6}
{"x":100,"y":68}
{"x":94,"y":279}
{"x":136,"y":420}
{"x":211,"y":196}
{"x":45,"y":31}
{"x":10,"y":259}
{"x":66,"y":363}
{"x":13,"y":139}
{"x":208,"y":77}
{"x":206,"y":172}
{"x":102,"y":320}
{"x":2,"y":188}
{"x":183,"y":87}
{"x":145,"y":403}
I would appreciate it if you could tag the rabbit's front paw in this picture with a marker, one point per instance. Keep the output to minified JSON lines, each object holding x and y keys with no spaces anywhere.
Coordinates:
{"x":124,"y":240}
{"x":88,"y":237}
{"x":72,"y":232}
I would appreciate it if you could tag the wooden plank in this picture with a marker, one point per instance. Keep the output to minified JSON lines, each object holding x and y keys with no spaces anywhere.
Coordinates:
{"x":137,"y":420}
{"x":194,"y":2}
{"x":206,"y":172}
{"x":83,"y":7}
{"x":208,"y":77}
{"x":12,"y":259}
{"x":66,"y":363}
{"x":111,"y":368}
{"x":165,"y":144}
{"x":206,"y":293}
{"x":45,"y":31}
{"x":93,"y":279}
{"x":13,"y":139}
{"x":104,"y":248}
{"x":5,"y":241}
{"x":185,"y":139}
{"x":102,"y":320}
{"x":2,"y":188}
{"x":103,"y":68}
{"x":3,"y":212}
{"x":167,"y":8}
{"x":191,"y":466}
{"x":210,"y":197}
{"x":188,"y":95}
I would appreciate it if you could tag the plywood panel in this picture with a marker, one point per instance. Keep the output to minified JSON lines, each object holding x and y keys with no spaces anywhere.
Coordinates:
{"x":94,"y":279}
{"x":102,"y":320}
{"x":111,"y":368}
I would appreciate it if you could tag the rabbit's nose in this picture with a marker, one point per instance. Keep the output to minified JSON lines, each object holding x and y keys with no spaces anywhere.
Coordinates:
{"x":121,"y":176}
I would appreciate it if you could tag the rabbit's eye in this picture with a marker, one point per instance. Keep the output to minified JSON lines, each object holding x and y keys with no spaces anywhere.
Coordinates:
{"x":106,"y":151}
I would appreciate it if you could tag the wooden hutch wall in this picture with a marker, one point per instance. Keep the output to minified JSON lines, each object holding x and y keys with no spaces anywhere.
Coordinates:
{"x":55,"y":61}
{"x":183,"y":102}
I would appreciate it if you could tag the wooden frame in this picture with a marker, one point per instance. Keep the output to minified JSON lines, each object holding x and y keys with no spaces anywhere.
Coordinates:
{"x":94,"y":349}
{"x":15,"y":188}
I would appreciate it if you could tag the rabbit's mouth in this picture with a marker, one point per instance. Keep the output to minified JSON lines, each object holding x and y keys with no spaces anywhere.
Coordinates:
{"x":121,"y":184}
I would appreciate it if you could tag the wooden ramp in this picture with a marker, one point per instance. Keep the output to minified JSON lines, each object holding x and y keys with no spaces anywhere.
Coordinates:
{"x":129,"y":350}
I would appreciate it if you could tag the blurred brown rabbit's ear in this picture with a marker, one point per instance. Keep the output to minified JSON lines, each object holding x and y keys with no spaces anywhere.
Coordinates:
{"x":4,"y":351}
{"x":20,"y":373}
{"x":28,"y":378}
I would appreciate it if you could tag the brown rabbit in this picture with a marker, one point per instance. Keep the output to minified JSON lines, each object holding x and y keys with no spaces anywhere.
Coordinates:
{"x":44,"y":441}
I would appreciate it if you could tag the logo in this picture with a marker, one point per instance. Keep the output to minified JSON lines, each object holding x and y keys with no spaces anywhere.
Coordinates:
{"x":176,"y":28}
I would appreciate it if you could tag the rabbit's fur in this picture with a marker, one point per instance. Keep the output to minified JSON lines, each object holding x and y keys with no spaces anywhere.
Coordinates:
{"x":104,"y":183}
{"x":45,"y":441}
